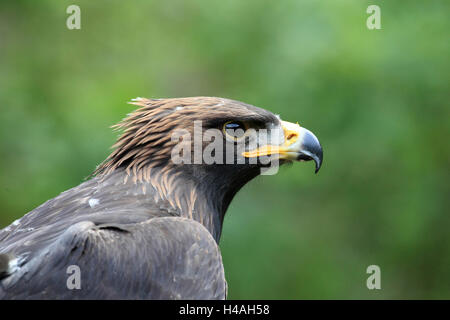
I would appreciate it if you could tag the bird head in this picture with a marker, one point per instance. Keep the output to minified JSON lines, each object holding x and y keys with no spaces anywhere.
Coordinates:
{"x":214,"y":134}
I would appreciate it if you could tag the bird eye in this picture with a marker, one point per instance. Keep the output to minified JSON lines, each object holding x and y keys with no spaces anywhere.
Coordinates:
{"x":234,"y":130}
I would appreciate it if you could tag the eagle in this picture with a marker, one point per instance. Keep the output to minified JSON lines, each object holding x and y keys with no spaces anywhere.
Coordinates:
{"x":146,"y":224}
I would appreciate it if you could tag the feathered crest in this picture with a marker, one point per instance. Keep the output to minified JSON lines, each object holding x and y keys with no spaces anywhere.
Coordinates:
{"x":145,"y":141}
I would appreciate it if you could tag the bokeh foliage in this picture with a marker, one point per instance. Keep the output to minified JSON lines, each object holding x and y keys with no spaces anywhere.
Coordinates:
{"x":378,"y":101}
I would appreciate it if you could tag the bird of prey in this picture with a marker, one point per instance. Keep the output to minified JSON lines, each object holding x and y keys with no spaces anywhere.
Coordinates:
{"x":144,"y":226}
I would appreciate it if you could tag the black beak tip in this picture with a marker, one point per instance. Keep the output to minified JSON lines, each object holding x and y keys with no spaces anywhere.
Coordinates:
{"x":313,"y":150}
{"x":318,"y":165}
{"x":318,"y":160}
{"x":317,"y":156}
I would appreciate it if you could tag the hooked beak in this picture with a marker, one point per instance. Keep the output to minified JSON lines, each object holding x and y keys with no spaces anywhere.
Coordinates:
{"x":299,"y":144}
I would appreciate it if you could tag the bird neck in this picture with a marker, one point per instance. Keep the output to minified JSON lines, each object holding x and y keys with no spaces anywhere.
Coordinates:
{"x":210,"y":190}
{"x":192,"y":192}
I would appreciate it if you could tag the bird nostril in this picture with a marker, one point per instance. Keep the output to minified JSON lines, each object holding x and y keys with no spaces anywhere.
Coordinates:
{"x":290,"y":136}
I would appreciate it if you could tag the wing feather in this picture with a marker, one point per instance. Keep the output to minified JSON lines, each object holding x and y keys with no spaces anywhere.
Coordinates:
{"x":160,"y":258}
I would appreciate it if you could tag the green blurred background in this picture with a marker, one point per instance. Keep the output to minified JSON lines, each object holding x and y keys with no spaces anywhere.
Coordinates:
{"x":377,"y":99}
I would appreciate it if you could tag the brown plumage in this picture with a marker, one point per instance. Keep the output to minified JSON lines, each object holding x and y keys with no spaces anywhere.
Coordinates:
{"x":145,"y":141}
{"x":144,"y":226}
